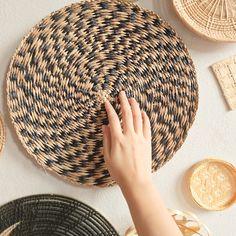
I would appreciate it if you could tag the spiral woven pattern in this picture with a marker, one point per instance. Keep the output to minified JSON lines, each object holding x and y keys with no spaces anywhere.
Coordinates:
{"x":80,"y":55}
{"x":213,"y":19}
{"x":52,"y":215}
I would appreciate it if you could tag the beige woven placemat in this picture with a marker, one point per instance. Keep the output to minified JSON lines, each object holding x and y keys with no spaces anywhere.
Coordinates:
{"x":2,"y":134}
{"x":225,"y":72}
{"x":213,"y":19}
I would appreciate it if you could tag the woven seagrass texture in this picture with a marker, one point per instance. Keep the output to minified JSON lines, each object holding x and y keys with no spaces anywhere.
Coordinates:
{"x":80,"y":55}
{"x":2,"y":134}
{"x":51,"y":215}
{"x":225,"y":72}
{"x":213,"y":19}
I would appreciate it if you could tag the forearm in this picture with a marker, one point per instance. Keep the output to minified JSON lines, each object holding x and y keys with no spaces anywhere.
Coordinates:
{"x":150,"y":216}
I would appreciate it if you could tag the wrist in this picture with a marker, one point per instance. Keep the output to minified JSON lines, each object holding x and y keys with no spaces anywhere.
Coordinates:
{"x":136,"y":186}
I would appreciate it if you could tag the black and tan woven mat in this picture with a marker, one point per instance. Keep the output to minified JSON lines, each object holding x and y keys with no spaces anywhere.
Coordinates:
{"x":52,"y":215}
{"x":83,"y":53}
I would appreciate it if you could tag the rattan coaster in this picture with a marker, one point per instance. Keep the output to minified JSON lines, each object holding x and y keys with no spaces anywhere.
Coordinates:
{"x":80,"y":55}
{"x":2,"y":134}
{"x":46,"y":215}
{"x":214,"y":20}
{"x":225,"y":72}
{"x":212,"y":184}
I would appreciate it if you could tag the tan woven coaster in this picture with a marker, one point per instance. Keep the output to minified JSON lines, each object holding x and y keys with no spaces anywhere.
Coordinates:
{"x":225,"y":72}
{"x":2,"y":134}
{"x":212,"y":184}
{"x":212,"y":19}
{"x":78,"y":55}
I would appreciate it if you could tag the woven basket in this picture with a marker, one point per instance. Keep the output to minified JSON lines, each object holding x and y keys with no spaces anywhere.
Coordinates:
{"x":52,"y":215}
{"x":83,"y":53}
{"x":2,"y":134}
{"x":213,"y":19}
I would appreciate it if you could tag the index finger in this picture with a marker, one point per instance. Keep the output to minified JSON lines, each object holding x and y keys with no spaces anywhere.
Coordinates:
{"x":113,"y":118}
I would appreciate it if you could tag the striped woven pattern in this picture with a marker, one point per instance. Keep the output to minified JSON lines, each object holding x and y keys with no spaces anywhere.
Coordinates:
{"x":52,"y":215}
{"x":85,"y":53}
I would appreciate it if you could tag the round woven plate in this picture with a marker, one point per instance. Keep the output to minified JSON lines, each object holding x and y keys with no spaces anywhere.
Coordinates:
{"x":212,"y":19}
{"x":80,"y":55}
{"x":2,"y":134}
{"x":49,"y":215}
{"x":213,"y":184}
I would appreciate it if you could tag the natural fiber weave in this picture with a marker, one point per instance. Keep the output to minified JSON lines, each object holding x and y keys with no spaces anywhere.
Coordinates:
{"x":188,"y":223}
{"x":212,"y":184}
{"x":83,"y":53}
{"x":53,"y":215}
{"x":225,"y":72}
{"x":2,"y":134}
{"x":213,"y":19}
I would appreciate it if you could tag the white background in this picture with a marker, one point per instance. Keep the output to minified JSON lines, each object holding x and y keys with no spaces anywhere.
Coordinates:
{"x":212,"y":135}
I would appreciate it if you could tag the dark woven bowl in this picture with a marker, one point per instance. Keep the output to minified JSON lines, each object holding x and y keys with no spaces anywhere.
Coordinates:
{"x":83,"y":53}
{"x":52,"y":215}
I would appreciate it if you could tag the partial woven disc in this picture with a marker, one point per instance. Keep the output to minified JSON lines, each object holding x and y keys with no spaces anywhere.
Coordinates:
{"x":83,"y":53}
{"x":2,"y":134}
{"x":214,"y":19}
{"x":52,"y":215}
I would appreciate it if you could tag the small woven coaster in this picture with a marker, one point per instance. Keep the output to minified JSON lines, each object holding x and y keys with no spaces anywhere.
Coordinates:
{"x":212,"y":184}
{"x":188,"y":223}
{"x":214,"y":20}
{"x":2,"y":134}
{"x":48,"y":215}
{"x":83,"y":53}
{"x":225,"y":72}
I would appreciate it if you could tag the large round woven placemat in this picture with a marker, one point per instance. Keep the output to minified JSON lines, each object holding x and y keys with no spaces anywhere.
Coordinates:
{"x":80,"y":55}
{"x":52,"y":215}
{"x":213,"y":19}
{"x":2,"y":134}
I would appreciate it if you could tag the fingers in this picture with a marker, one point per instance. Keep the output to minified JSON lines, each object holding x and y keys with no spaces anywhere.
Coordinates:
{"x":137,"y":117}
{"x":115,"y":127}
{"x":132,"y":118}
{"x":146,"y":126}
{"x":106,"y":141}
{"x":127,"y":117}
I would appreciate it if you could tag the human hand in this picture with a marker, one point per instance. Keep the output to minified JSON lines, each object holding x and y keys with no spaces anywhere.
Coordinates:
{"x":127,"y":148}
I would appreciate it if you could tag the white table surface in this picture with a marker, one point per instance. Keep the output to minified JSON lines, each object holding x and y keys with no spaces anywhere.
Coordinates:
{"x":212,"y":135}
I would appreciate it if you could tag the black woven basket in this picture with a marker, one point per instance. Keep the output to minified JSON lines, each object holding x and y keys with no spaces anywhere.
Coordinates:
{"x":52,"y":215}
{"x":86,"y":52}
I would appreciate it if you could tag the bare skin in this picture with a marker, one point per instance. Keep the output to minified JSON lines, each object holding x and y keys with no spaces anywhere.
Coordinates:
{"x":127,"y":153}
